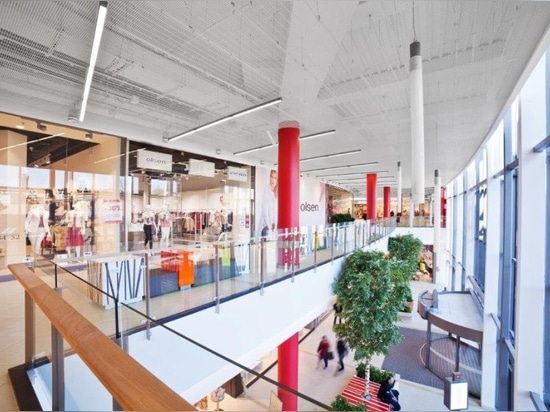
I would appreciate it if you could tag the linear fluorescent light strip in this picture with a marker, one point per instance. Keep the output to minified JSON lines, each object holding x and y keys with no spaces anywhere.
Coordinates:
{"x":331,"y":155}
{"x":119,"y":155}
{"x":31,"y":141}
{"x":255,"y":149}
{"x":309,"y":136}
{"x":223,"y":119}
{"x":356,"y":173}
{"x":100,"y":22}
{"x":340,"y":167}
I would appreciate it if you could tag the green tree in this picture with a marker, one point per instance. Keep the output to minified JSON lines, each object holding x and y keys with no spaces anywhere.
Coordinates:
{"x":371,"y":290}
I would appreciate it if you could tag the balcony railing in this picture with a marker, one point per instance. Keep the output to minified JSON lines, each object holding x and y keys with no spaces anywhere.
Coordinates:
{"x":123,"y":293}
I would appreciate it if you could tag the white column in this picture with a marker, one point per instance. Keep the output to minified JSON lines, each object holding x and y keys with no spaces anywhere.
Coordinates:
{"x":399,"y":188}
{"x":417,"y":124}
{"x":437,"y":223}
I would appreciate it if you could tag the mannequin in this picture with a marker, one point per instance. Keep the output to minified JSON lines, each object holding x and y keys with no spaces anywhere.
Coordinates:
{"x":165,"y":223}
{"x":149,"y":227}
{"x":36,"y":226}
{"x":76,"y":224}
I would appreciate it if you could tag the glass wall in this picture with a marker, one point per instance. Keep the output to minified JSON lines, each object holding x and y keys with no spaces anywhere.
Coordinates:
{"x":498,"y":240}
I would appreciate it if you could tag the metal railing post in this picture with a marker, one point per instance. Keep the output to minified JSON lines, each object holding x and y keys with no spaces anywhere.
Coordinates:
{"x":217,"y":276}
{"x":262,"y":265}
{"x":58,"y":372}
{"x":332,"y":243}
{"x":30,"y":338}
{"x":315,"y":246}
{"x":147,"y":295}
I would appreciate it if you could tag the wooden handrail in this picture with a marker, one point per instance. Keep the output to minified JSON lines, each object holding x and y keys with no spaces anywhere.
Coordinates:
{"x":131,"y":385}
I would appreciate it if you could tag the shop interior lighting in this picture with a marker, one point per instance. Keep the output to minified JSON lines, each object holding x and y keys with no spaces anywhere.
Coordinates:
{"x":119,"y":155}
{"x":31,"y":141}
{"x":223,"y":119}
{"x":331,"y":155}
{"x":341,"y":167}
{"x":100,"y":23}
{"x":20,"y":126}
{"x":309,"y":136}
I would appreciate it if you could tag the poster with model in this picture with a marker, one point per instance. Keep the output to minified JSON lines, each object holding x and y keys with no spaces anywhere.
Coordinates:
{"x":312,"y":201}
{"x":266,"y":201}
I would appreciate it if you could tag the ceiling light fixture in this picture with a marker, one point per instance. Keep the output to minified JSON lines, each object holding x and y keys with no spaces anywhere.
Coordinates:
{"x":40,"y":126}
{"x":352,"y":174}
{"x":100,"y":22}
{"x":223,"y":119}
{"x":341,"y":167}
{"x":119,"y":155}
{"x":20,"y":126}
{"x":89,"y":136}
{"x":31,"y":141}
{"x":274,"y":144}
{"x":255,"y":149}
{"x":331,"y":155}
{"x":311,"y":136}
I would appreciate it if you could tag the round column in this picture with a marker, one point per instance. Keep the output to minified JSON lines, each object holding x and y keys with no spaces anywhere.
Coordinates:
{"x":387,"y":201}
{"x":288,"y":217}
{"x":371,"y":196}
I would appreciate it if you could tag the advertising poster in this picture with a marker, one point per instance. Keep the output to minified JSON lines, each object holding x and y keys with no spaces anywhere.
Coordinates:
{"x":112,"y":211}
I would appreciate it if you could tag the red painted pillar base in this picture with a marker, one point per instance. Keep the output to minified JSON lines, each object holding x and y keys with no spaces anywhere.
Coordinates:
{"x":287,"y":370}
{"x":387,"y":201}
{"x":371,"y":196}
{"x":288,"y":193}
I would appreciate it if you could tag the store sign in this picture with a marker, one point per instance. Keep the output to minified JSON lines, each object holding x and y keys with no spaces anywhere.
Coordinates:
{"x":154,"y":160}
{"x":112,"y":211}
{"x":201,"y":168}
{"x":237,"y":174}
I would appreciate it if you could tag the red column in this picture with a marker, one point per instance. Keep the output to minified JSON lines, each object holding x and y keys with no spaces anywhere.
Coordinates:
{"x":288,"y":217}
{"x":387,"y":201}
{"x":371,"y":196}
{"x":287,"y":372}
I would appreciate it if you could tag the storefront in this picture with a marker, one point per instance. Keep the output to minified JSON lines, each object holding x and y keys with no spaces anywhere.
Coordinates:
{"x":68,"y":192}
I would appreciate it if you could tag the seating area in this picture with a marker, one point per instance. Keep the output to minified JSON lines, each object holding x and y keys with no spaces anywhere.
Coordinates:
{"x":354,"y":390}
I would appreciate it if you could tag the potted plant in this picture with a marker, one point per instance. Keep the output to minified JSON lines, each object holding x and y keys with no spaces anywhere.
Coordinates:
{"x":371,"y":290}
{"x":341,"y":404}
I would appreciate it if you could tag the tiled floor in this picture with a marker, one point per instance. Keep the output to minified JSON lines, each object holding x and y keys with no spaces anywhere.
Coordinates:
{"x":319,"y":384}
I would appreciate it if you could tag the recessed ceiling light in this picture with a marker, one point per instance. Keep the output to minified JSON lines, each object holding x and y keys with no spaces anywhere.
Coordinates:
{"x":20,"y":126}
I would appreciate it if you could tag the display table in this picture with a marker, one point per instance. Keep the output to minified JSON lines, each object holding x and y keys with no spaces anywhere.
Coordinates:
{"x":119,"y":276}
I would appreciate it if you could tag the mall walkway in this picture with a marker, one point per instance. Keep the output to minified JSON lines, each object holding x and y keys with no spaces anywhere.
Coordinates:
{"x":320,"y":384}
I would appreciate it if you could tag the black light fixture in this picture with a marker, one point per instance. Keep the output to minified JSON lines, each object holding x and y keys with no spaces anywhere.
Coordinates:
{"x":89,"y":136}
{"x":41,"y":126}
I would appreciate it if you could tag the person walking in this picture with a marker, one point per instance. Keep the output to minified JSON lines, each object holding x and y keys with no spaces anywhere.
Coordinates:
{"x":342,"y":350}
{"x":323,"y":351}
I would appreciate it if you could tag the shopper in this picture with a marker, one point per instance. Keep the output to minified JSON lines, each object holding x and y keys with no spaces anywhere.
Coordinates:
{"x":337,"y":312}
{"x":342,"y":350}
{"x":323,"y":350}
{"x":387,"y":394}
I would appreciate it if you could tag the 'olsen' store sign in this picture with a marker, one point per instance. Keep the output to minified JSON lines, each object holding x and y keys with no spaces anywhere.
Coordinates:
{"x":154,"y":160}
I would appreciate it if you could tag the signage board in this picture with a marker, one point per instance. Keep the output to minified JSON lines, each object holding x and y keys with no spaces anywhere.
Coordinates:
{"x":237,"y":174}
{"x":154,"y":160}
{"x":201,"y":168}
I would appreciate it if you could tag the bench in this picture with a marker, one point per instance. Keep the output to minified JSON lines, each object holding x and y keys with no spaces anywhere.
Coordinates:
{"x":354,"y":390}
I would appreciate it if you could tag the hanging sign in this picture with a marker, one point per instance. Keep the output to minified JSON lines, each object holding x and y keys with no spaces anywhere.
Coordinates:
{"x":237,"y":174}
{"x":201,"y":168}
{"x":154,"y":160}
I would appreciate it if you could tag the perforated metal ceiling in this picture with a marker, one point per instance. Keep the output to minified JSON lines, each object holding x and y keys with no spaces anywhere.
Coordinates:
{"x":165,"y":67}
